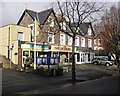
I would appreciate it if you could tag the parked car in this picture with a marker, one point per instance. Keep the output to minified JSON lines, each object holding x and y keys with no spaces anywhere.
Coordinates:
{"x":102,"y":61}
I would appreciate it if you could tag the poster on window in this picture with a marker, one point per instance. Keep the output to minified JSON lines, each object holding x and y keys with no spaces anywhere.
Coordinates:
{"x":39,"y":61}
{"x":51,"y":61}
{"x":44,"y":61}
{"x":56,"y":61}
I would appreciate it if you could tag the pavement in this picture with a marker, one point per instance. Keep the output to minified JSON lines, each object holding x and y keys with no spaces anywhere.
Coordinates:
{"x":16,"y":82}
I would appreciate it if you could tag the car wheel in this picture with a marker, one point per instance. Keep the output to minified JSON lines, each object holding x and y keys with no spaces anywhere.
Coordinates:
{"x":96,"y":63}
{"x":107,"y":64}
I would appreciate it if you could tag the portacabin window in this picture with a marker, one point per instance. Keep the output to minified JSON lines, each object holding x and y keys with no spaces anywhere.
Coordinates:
{"x":20,"y":36}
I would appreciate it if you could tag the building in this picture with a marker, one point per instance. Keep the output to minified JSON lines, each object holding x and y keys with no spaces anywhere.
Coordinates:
{"x":98,"y":42}
{"x":58,"y":43}
{"x":10,"y":36}
{"x":18,"y":40}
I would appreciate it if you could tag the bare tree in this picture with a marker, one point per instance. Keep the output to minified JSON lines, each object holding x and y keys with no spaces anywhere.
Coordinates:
{"x":73,"y":14}
{"x":111,"y":33}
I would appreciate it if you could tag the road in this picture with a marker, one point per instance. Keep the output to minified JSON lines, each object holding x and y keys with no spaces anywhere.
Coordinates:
{"x":23,"y":83}
{"x":107,"y":85}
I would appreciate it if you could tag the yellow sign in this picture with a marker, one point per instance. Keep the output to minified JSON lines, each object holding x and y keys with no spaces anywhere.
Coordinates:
{"x":61,"y":48}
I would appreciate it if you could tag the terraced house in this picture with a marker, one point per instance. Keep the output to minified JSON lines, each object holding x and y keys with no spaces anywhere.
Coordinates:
{"x":56,"y":43}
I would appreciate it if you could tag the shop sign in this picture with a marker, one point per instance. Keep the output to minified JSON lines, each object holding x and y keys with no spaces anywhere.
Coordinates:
{"x":25,"y":45}
{"x":39,"y":47}
{"x":61,"y":48}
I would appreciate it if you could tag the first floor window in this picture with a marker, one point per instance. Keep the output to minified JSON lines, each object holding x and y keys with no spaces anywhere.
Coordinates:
{"x":69,"y":40}
{"x":82,"y":42}
{"x":20,"y":36}
{"x":89,"y":42}
{"x":77,"y":41}
{"x":62,"y":39}
{"x":51,"y":38}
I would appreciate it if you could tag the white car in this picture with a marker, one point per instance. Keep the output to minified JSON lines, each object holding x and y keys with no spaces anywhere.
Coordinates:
{"x":102,"y":61}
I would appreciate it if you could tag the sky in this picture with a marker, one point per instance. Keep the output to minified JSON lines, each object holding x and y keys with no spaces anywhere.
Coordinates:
{"x":11,"y":10}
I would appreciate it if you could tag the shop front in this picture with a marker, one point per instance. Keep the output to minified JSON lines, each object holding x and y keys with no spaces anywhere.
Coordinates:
{"x":83,"y":56}
{"x":64,"y":52}
{"x":28,"y":50}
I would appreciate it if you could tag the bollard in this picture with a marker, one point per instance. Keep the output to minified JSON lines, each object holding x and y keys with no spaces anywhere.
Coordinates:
{"x":54,"y":72}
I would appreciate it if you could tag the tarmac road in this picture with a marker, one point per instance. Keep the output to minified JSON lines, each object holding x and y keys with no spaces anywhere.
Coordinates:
{"x":27,"y":83}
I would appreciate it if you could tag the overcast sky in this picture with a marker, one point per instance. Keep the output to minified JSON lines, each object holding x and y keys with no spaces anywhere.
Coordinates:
{"x":10,"y":12}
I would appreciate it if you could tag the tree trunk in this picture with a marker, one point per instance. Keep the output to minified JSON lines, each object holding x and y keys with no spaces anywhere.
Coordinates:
{"x":73,"y":61}
{"x":117,"y":60}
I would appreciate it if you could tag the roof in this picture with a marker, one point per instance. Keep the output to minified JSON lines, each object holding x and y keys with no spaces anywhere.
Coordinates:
{"x":84,"y":27}
{"x":41,"y":16}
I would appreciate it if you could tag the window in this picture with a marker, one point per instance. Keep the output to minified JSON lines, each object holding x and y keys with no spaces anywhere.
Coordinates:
{"x":51,"y":38}
{"x":89,"y":42}
{"x":62,"y":39}
{"x":82,"y":42}
{"x":51,"y":22}
{"x":69,"y":40}
{"x":20,"y":36}
{"x":77,"y":41}
{"x":99,"y":41}
{"x":31,"y":26}
{"x":82,"y":57}
{"x":78,"y":57}
{"x":89,"y":31}
{"x":63,"y":25}
{"x":95,"y":41}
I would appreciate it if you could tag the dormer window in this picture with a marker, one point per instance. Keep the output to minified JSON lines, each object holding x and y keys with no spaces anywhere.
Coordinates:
{"x":89,"y":31}
{"x":63,"y":25}
{"x":51,"y":22}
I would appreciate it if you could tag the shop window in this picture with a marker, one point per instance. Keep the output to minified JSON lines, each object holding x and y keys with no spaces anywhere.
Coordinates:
{"x":20,"y":36}
{"x":89,"y":57}
{"x":82,"y":57}
{"x":78,"y":57}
